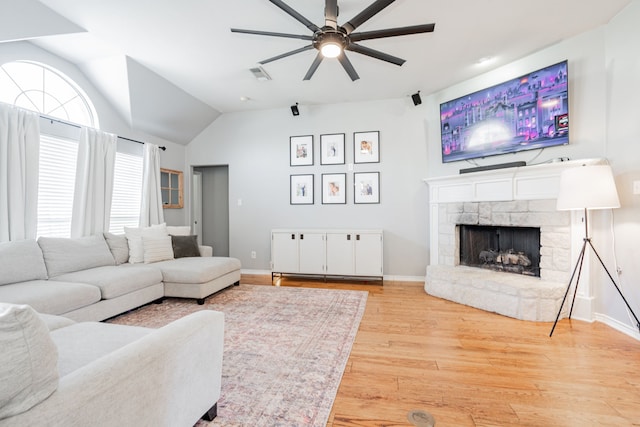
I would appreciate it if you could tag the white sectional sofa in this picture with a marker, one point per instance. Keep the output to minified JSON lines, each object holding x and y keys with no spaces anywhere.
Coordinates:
{"x":91,"y":278}
{"x":56,"y":372}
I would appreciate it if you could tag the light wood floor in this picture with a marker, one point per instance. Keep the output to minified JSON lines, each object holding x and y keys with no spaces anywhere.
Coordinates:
{"x":468,"y":367}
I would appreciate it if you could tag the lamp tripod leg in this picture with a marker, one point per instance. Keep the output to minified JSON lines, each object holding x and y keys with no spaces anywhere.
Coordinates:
{"x":577,"y":266}
{"x":615,"y":285}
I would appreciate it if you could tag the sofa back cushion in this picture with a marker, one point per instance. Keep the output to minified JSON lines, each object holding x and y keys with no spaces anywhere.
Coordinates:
{"x":21,"y":261}
{"x":135,"y":236}
{"x":118,"y":246}
{"x":28,"y":360}
{"x":62,"y":255}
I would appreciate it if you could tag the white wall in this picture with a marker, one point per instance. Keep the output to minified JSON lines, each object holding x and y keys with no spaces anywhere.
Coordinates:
{"x":255,"y":145}
{"x":623,"y":151}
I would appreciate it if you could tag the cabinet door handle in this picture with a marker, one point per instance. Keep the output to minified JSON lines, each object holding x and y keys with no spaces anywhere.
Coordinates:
{"x":301,"y":236}
{"x":293,"y":236}
{"x":357,"y":237}
{"x":348,"y":236}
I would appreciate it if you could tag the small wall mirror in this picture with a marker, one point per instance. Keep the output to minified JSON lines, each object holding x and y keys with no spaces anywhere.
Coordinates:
{"x":171,"y":188}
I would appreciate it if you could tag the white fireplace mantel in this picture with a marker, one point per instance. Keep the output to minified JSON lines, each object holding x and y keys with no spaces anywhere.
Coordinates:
{"x":534,"y":182}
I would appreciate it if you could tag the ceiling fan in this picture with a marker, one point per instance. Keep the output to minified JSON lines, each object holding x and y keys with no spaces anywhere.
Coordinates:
{"x":332,"y":40}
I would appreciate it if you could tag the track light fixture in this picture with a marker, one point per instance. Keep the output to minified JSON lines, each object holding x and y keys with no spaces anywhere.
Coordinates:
{"x":294,"y":110}
{"x":416,"y":98}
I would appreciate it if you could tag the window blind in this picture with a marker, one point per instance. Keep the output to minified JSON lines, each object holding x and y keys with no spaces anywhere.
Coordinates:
{"x":127,"y":192}
{"x":56,"y":185}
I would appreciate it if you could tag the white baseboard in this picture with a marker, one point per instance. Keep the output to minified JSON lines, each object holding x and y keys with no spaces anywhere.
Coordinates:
{"x":391,"y":278}
{"x":619,"y":326}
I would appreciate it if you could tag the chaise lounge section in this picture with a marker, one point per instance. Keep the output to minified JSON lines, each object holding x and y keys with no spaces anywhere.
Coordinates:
{"x":57,"y":372}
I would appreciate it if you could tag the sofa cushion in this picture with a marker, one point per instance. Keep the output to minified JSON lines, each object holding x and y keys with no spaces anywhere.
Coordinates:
{"x":54,"y":322}
{"x":21,"y":261}
{"x":157,"y":249}
{"x":84,"y":342}
{"x":134,"y":238}
{"x":50,"y":296}
{"x":185,"y":246}
{"x":118,"y":246}
{"x":28,"y":360}
{"x":62,"y":255}
{"x":197,"y":270}
{"x":114,"y":281}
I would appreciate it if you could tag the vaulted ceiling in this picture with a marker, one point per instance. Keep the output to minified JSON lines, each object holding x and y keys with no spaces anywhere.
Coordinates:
{"x":171,"y":68}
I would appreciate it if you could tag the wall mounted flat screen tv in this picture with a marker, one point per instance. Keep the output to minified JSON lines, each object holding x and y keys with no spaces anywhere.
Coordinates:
{"x":525,"y":113}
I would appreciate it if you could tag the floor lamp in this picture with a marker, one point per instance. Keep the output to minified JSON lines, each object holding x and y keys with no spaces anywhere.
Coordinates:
{"x":586,"y":188}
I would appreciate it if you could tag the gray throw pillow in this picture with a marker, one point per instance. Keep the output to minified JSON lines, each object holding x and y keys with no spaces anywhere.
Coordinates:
{"x":185,"y":246}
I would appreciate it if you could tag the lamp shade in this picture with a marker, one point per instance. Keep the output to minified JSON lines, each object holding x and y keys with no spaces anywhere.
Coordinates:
{"x":588,"y":187}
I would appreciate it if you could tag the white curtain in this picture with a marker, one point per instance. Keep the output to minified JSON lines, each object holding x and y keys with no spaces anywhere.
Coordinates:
{"x":151,"y":207}
{"x":19,"y":165}
{"x":94,"y":182}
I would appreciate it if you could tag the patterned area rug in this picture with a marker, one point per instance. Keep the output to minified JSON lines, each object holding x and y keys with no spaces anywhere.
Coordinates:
{"x":285,"y":350}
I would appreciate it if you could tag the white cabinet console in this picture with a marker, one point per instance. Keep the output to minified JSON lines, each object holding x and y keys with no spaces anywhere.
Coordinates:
{"x":327,"y":252}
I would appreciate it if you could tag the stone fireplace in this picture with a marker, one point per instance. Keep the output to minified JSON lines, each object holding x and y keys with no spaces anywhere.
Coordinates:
{"x":500,"y":201}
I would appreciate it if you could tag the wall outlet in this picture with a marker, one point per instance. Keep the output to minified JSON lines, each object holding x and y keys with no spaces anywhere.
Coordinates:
{"x":253,"y":254}
{"x":636,"y":187}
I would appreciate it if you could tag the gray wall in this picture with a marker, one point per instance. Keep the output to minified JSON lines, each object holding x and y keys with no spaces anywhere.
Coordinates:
{"x":255,"y":145}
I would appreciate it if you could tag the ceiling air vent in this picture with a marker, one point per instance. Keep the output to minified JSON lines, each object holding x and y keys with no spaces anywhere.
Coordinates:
{"x":260,"y":73}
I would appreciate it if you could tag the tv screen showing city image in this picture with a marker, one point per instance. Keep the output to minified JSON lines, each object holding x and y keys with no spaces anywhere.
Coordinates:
{"x":525,"y":113}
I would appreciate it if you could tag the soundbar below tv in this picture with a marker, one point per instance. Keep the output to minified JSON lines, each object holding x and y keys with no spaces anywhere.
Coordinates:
{"x":525,"y":113}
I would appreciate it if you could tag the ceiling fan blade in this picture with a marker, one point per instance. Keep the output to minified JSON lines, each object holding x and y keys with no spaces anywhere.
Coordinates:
{"x":269,"y":33}
{"x":331,"y":14}
{"x":284,"y":55}
{"x":366,"y":14}
{"x":348,"y":67}
{"x":314,"y":66}
{"x":392,"y":32}
{"x":289,"y":10}
{"x":375,"y":54}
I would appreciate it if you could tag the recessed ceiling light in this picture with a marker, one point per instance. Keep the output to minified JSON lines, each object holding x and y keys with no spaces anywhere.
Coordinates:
{"x":485,"y":60}
{"x":245,"y":98}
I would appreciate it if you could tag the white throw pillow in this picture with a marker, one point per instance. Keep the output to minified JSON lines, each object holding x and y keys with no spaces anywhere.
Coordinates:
{"x":157,"y":249}
{"x":28,"y":360}
{"x":134,"y":238}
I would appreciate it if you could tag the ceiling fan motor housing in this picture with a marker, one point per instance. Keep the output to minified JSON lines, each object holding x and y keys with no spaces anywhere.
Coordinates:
{"x":330,"y":35}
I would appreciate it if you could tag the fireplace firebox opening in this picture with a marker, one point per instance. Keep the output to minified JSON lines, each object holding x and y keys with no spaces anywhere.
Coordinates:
{"x":501,"y":248}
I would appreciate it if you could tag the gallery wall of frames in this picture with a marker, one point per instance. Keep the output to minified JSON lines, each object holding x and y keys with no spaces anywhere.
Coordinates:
{"x":335,"y":187}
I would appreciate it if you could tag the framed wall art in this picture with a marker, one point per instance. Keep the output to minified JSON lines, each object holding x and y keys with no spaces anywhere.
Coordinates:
{"x":301,"y":190}
{"x":334,"y":188}
{"x":366,"y":187}
{"x":366,"y":147}
{"x":332,"y":149}
{"x":301,"y":150}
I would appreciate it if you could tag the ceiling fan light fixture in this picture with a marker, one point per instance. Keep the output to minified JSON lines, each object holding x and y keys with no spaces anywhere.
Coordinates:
{"x":331,"y":49}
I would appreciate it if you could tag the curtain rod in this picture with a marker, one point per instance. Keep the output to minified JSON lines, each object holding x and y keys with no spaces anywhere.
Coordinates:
{"x":78,"y":126}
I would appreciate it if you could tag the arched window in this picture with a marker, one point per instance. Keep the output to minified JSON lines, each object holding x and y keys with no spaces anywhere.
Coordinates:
{"x":40,"y":88}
